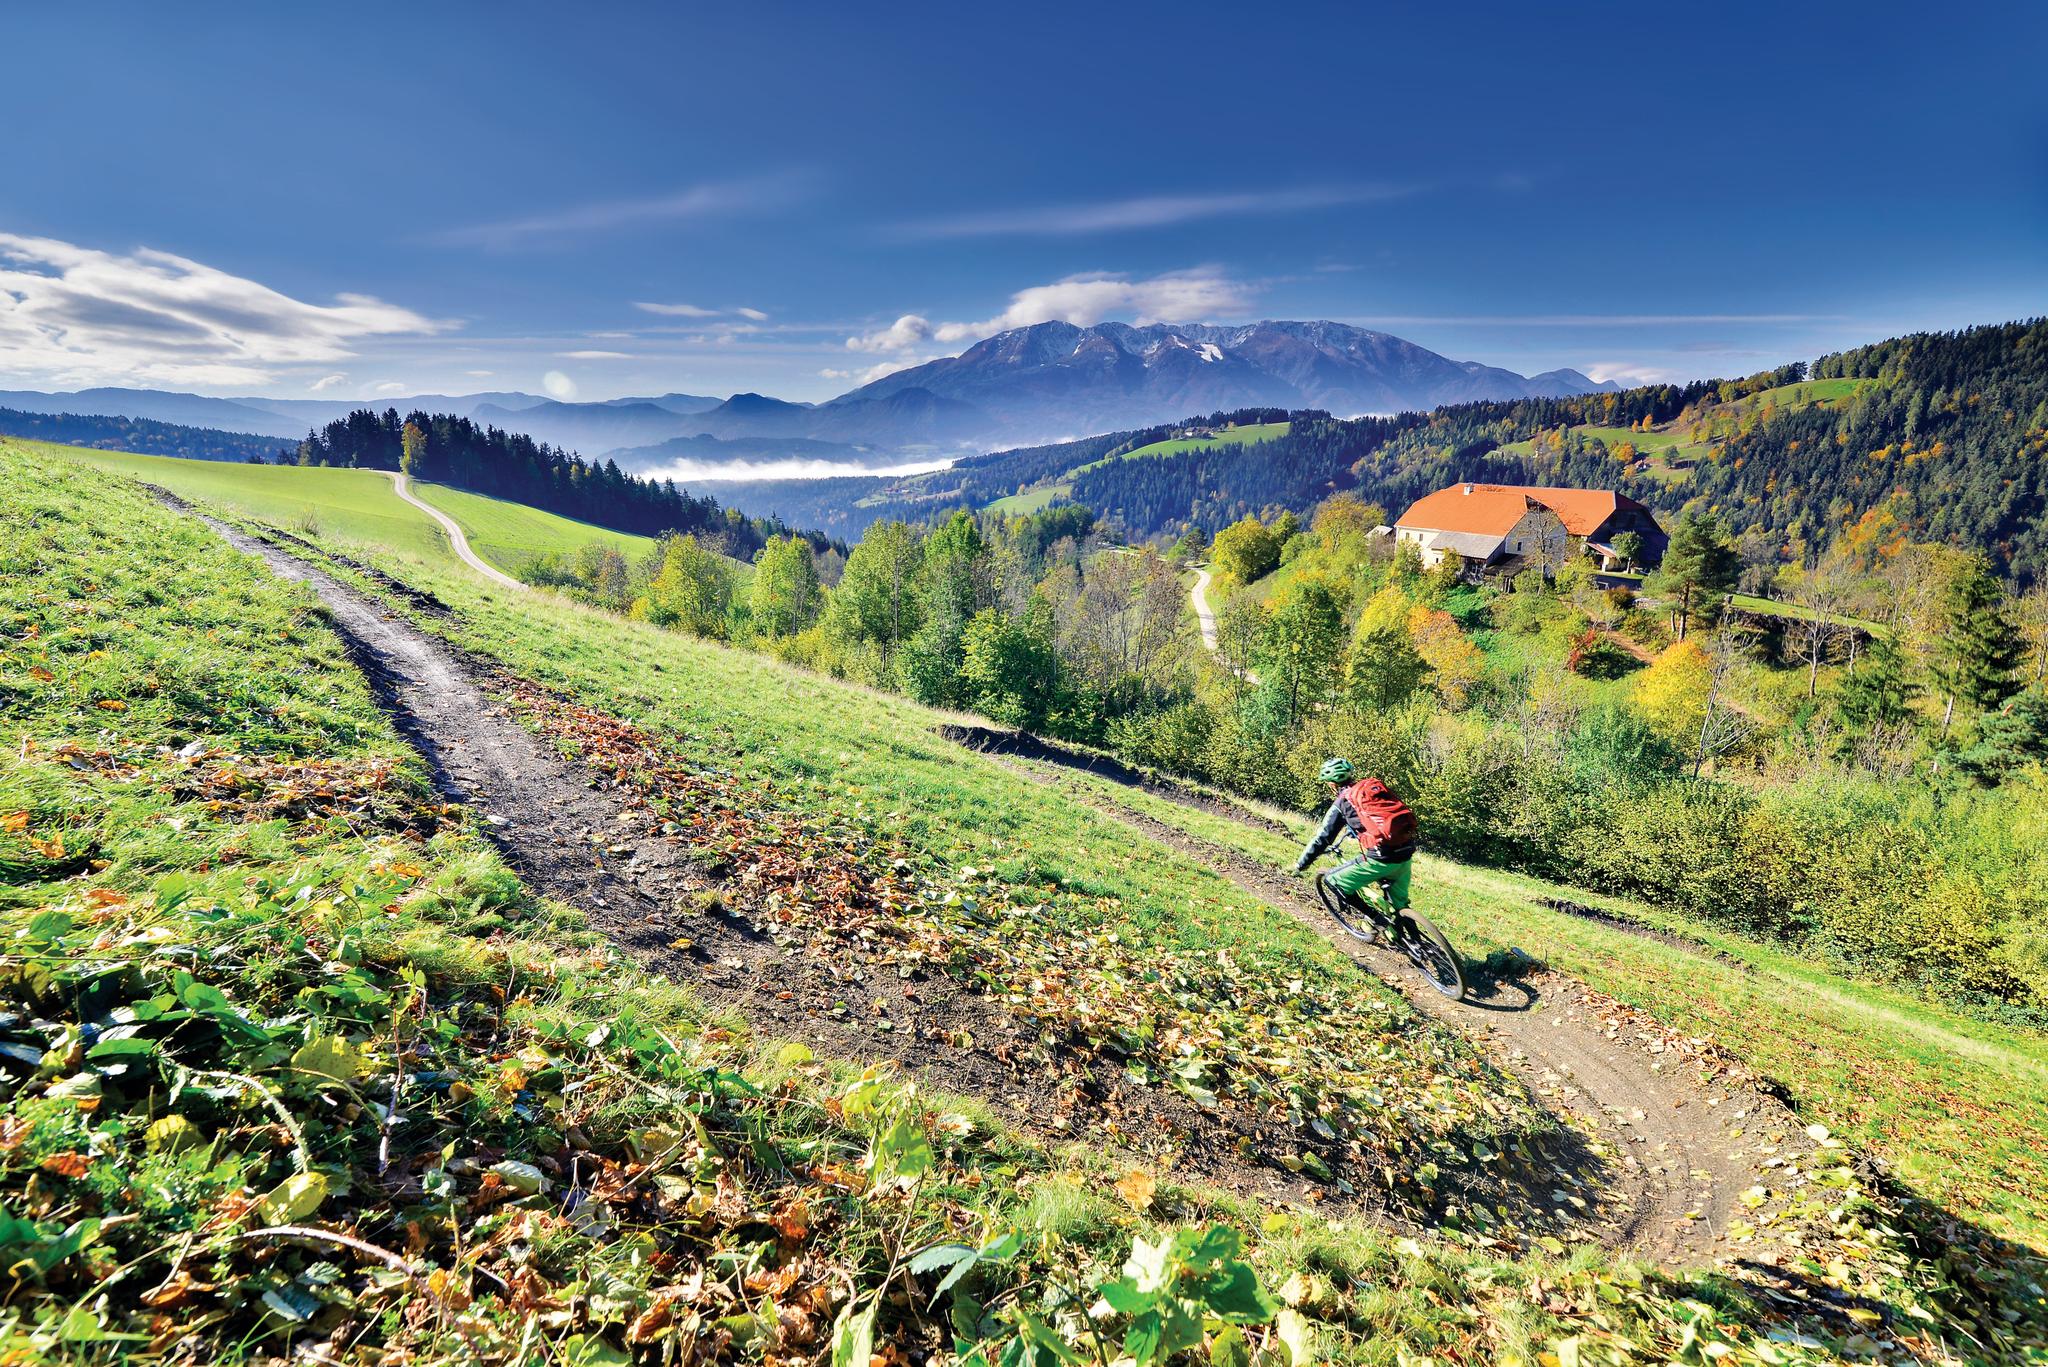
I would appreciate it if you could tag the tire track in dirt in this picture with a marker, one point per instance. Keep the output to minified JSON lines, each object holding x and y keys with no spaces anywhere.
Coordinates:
{"x":1681,"y":1147}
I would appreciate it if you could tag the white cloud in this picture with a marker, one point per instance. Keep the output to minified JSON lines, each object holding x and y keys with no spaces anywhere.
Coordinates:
{"x":479,"y":374}
{"x":686,"y":470}
{"x":1148,"y":211}
{"x":558,"y":386}
{"x":326,"y":382}
{"x":907,"y":331}
{"x":712,"y":199}
{"x":697,"y":311}
{"x":676,"y":310}
{"x":1627,"y":372}
{"x":74,"y":315}
{"x":391,"y":387}
{"x":1084,"y":300}
{"x":873,"y":372}
{"x":595,"y":355}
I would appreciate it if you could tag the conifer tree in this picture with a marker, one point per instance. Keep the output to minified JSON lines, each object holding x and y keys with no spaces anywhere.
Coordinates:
{"x":1978,"y":656}
{"x":1700,"y":563}
{"x":1878,"y":693}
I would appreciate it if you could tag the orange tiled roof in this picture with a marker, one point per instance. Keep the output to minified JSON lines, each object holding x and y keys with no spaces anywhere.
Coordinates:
{"x":1491,"y":509}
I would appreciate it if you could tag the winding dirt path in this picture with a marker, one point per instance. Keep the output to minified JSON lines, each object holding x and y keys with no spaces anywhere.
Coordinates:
{"x":1676,"y":1151}
{"x":580,"y":835}
{"x":1685,"y":1147}
{"x":1204,"y":618}
{"x":402,"y":486}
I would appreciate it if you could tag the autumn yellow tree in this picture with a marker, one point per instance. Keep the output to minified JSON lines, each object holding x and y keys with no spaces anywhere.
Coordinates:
{"x":1672,"y":693}
{"x":1455,"y":664}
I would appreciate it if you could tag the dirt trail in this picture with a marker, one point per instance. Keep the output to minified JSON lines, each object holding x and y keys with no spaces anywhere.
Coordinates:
{"x":402,"y":486}
{"x":1682,"y":1148}
{"x":575,"y":836}
{"x":1674,"y":1163}
{"x":1204,"y":618}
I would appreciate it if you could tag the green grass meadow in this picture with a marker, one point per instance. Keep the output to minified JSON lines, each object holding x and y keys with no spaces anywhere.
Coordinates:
{"x":360,"y":507}
{"x":1251,"y":434}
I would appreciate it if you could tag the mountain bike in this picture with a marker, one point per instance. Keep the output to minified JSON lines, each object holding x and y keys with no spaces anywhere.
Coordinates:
{"x":1409,"y":931}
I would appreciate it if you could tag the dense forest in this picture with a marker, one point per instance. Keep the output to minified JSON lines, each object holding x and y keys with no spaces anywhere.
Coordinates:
{"x":137,"y":434}
{"x":454,"y":450}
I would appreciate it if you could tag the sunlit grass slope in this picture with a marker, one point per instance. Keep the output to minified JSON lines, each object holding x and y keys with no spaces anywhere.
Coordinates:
{"x":359,"y":506}
{"x":510,"y":534}
{"x":356,"y":506}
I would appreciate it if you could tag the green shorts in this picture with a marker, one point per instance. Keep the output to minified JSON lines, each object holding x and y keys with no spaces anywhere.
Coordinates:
{"x":1357,"y":877}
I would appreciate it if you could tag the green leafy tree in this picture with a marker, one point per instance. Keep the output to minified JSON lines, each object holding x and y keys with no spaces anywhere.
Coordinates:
{"x":1384,"y":668}
{"x":877,"y":602}
{"x":604,"y":575}
{"x":786,"y":597}
{"x":691,"y":592}
{"x":1303,"y":640}
{"x":1629,"y":546}
{"x":1009,"y":669}
{"x":1245,"y":550}
{"x":1700,"y":564}
{"x":954,"y":583}
{"x":1978,"y":656}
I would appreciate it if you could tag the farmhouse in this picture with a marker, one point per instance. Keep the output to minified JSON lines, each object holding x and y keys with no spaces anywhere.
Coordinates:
{"x":1503,"y":527}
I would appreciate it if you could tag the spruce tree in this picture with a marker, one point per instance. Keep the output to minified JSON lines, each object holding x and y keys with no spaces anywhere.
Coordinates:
{"x":2007,"y":740}
{"x":1878,"y":692}
{"x":1978,"y":656}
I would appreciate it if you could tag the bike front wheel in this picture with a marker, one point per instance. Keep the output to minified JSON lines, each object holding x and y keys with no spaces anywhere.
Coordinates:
{"x":1430,"y":952}
{"x":1349,"y":916}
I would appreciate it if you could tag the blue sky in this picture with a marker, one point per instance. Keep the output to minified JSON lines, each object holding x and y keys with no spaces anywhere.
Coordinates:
{"x":603,"y":200}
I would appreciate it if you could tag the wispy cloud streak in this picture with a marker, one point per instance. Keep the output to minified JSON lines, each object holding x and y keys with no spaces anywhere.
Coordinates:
{"x":713,"y":199}
{"x":1146,"y":211}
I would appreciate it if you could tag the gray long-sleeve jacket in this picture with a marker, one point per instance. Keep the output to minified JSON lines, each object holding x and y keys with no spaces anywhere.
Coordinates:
{"x":1339,"y":819}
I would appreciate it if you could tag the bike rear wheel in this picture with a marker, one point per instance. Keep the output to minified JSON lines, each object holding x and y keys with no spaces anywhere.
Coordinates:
{"x":1351,"y":917}
{"x":1429,"y":951}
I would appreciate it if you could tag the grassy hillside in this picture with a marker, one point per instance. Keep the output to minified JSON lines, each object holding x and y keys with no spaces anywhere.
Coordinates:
{"x":1030,"y":501}
{"x":353,"y":505}
{"x":262,"y":977}
{"x":359,"y":506}
{"x":510,"y":534}
{"x":1251,"y":434}
{"x":1061,"y":486}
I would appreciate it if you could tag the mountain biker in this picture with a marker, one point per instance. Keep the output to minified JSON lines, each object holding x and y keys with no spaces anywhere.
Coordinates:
{"x":1383,"y":827}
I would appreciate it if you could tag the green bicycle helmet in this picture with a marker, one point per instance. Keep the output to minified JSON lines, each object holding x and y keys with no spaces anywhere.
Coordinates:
{"x":1335,"y":771}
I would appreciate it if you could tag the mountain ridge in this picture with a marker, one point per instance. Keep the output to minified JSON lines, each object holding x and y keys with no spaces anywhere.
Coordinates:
{"x":1043,"y":382}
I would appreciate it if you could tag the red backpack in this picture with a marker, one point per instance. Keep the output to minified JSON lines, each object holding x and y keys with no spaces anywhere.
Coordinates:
{"x":1385,"y":827}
